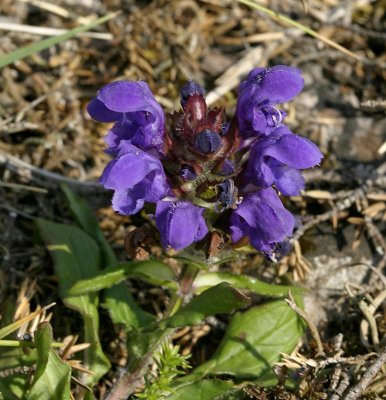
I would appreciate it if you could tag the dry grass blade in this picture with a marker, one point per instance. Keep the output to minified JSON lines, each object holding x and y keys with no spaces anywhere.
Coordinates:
{"x":55,"y":9}
{"x":46,"y":43}
{"x":309,"y":31}
{"x":15,"y":325}
{"x":46,"y":31}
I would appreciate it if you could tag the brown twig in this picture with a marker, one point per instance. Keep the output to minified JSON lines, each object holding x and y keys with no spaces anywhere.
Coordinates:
{"x":359,"y":388}
{"x":314,"y":331}
{"x":344,"y":384}
{"x":348,"y":198}
{"x":45,"y":178}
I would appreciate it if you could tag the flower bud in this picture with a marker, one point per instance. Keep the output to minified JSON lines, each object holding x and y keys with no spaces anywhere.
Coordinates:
{"x":208,"y":142}
{"x":189,"y":89}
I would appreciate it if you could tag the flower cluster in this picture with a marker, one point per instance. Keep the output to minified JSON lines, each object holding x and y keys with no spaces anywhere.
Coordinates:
{"x":202,"y":173}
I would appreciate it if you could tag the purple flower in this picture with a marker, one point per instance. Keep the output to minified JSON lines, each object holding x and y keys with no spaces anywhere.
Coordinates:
{"x":195,"y":157}
{"x":262,"y":217}
{"x":260,"y":93}
{"x":138,"y":118}
{"x":136,"y":177}
{"x":277,"y":158}
{"x":180,"y":223}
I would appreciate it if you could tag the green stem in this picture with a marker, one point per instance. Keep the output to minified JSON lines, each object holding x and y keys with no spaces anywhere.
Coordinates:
{"x":127,"y":383}
{"x":187,"y":277}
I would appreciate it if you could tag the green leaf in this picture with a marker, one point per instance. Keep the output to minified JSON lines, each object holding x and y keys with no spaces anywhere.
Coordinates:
{"x":53,"y":376}
{"x":13,"y":384}
{"x":13,"y":387}
{"x":208,"y":279}
{"x":86,"y":220}
{"x":14,"y":357}
{"x":254,"y":340}
{"x":76,"y":257}
{"x":151,"y":271}
{"x":118,"y":300}
{"x":46,"y":43}
{"x":43,"y":339}
{"x":139,"y":344}
{"x":203,"y":389}
{"x":219,"y":299}
{"x":123,"y":309}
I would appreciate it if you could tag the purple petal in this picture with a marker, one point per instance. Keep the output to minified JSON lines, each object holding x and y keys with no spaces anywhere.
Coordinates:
{"x":202,"y":230}
{"x":289,"y":181}
{"x":179,"y":223}
{"x":260,"y":244}
{"x":238,"y":228}
{"x":146,"y":137}
{"x":258,"y":95}
{"x":127,"y":96}
{"x":257,"y":119}
{"x":100,"y":112}
{"x":258,"y":172}
{"x":187,"y":173}
{"x":122,"y":130}
{"x":295,"y":151}
{"x":128,"y":202}
{"x":130,"y":168}
{"x":265,"y":220}
{"x":275,"y":85}
{"x":155,"y":187}
{"x":140,"y":119}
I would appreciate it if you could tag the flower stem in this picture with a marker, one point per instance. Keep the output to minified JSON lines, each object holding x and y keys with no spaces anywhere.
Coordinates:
{"x":187,"y":277}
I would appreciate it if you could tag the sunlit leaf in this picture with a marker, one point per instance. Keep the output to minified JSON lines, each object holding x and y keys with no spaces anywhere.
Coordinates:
{"x":254,"y":340}
{"x":208,"y":279}
{"x":151,"y":271}
{"x":123,"y":309}
{"x":219,"y":299}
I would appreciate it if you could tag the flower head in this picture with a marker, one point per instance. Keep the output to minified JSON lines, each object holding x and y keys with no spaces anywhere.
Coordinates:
{"x":194,"y":165}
